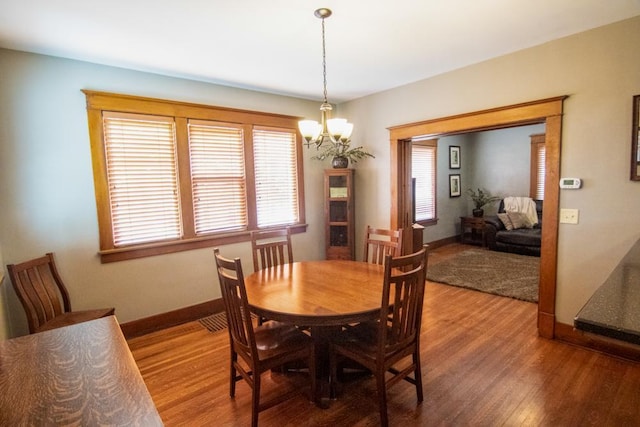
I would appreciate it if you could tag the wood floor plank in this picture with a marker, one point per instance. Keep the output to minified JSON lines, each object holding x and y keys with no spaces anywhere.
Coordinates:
{"x":483,"y":365}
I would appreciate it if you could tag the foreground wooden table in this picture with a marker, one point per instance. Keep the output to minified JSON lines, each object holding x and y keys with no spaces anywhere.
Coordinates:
{"x":76,"y":375}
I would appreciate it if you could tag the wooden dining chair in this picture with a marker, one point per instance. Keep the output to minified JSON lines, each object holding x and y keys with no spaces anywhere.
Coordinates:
{"x":381,"y":345}
{"x":44,"y":296}
{"x":271,"y":248}
{"x":262,"y":348}
{"x":380,"y":242}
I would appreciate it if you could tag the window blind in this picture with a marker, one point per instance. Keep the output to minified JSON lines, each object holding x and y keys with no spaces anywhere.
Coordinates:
{"x":540,"y":171}
{"x":140,"y":156}
{"x":188,"y":178}
{"x":217,"y":177}
{"x":423,"y":168}
{"x":276,"y":175}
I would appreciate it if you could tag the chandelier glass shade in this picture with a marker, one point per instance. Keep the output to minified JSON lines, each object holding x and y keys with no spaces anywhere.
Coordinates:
{"x":332,"y":130}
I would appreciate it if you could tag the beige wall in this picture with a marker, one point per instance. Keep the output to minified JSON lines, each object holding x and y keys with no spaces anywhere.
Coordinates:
{"x":46,"y":183}
{"x":599,"y":70}
{"x":46,"y":187}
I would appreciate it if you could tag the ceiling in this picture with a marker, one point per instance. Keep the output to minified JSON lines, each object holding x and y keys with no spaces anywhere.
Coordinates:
{"x":275,"y":46}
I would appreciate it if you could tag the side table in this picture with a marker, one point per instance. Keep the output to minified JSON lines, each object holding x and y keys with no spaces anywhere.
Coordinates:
{"x":472,"y":230}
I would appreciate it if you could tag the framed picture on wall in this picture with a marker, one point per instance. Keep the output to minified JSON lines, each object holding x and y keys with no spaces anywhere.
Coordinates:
{"x":454,"y":157}
{"x":454,"y":185}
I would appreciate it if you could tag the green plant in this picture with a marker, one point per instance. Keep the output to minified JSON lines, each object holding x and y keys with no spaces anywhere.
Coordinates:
{"x":343,"y":149}
{"x":481,"y":197}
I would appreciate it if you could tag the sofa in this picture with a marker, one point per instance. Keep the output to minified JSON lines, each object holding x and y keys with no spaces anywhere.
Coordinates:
{"x":524,"y":239}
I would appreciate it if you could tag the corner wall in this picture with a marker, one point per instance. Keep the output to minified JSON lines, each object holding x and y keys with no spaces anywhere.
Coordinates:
{"x":599,"y":71}
{"x":47,"y":193}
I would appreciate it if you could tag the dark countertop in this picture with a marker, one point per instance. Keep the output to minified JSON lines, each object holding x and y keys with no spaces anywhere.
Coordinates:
{"x":614,"y":309}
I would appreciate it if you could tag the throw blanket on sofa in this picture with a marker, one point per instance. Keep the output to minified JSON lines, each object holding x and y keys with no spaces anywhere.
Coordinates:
{"x":525,"y":205}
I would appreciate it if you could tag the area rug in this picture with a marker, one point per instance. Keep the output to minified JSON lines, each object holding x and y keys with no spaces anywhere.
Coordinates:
{"x":498,"y":273}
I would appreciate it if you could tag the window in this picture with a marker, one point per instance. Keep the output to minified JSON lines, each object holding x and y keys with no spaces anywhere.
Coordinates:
{"x":275,"y":167}
{"x":538,"y":154}
{"x":218,"y":181}
{"x":142,"y":178}
{"x":172,"y":176}
{"x":423,"y":170}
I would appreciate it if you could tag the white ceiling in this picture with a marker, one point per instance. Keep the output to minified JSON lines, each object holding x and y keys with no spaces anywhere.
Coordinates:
{"x":275,"y":45}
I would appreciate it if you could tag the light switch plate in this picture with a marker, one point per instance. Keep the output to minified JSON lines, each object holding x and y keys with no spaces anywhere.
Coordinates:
{"x":569,"y":216}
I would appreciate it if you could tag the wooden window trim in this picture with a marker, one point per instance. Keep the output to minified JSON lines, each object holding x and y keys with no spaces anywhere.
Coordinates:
{"x":97,"y":102}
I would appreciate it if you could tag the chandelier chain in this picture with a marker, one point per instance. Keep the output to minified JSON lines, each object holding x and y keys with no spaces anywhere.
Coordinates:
{"x":336,"y":132}
{"x":324,"y":63}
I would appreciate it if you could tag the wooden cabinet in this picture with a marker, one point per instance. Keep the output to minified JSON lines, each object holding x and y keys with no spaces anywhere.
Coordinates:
{"x":339,"y":213}
{"x":472,"y":230}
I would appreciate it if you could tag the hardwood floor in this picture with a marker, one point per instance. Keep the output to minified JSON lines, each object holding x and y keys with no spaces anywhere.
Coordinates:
{"x":483,"y":365}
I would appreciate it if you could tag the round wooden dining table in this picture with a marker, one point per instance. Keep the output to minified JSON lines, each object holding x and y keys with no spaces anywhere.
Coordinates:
{"x":321,"y":296}
{"x":317,"y":293}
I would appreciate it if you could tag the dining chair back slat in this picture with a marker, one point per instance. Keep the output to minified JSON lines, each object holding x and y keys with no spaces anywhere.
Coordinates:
{"x":45,"y":297}
{"x":234,"y":297}
{"x":271,"y":248}
{"x":403,"y":294}
{"x":381,"y":242}
{"x":259,"y":348}
{"x":380,"y":345}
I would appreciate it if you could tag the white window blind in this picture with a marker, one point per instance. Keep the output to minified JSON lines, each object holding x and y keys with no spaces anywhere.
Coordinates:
{"x":540,"y":171}
{"x":423,"y":168}
{"x":172,"y":176}
{"x":276,"y":175}
{"x":141,"y":173}
{"x":217,"y":177}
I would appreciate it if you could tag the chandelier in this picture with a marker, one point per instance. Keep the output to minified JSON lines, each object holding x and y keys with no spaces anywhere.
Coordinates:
{"x":335,"y":131}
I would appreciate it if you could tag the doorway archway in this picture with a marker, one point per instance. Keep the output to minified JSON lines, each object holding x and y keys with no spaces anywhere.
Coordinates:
{"x":547,"y":111}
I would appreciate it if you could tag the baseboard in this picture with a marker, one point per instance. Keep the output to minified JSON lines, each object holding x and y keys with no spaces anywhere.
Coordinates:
{"x":172,"y":318}
{"x":443,"y":242}
{"x":610,"y":346}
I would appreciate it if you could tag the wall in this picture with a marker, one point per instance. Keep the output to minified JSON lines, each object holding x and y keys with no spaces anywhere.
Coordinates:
{"x":449,"y":209}
{"x":497,"y":161}
{"x":46,"y":187}
{"x":599,"y":72}
{"x":502,"y":161}
{"x":46,"y":183}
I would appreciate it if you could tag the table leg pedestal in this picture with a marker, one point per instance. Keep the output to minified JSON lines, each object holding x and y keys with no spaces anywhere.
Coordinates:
{"x":322,"y":336}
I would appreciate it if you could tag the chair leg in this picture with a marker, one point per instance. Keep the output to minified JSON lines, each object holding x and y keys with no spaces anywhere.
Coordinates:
{"x":382,"y":397}
{"x":232,"y":374}
{"x":418,"y":374}
{"x":255,"y":400}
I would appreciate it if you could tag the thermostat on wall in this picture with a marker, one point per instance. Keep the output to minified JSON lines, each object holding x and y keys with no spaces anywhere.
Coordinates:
{"x":570,"y":183}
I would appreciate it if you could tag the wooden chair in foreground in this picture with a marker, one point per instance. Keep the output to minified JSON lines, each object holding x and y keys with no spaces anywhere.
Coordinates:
{"x":44,"y":296}
{"x":271,"y":248}
{"x":379,"y":242}
{"x":380,"y":346}
{"x":262,"y":348}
